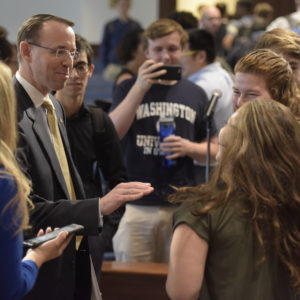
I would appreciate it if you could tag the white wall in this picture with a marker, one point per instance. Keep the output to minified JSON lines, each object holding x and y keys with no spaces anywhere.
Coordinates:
{"x":89,"y":15}
{"x":192,"y":5}
{"x":95,"y":13}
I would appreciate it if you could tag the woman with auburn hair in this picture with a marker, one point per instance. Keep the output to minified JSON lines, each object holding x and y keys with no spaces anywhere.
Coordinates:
{"x":17,"y":277}
{"x":238,"y":236}
{"x":263,"y":73}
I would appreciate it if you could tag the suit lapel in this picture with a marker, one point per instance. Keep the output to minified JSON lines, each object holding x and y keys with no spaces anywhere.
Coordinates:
{"x":40,"y":129}
{"x":42,"y":133}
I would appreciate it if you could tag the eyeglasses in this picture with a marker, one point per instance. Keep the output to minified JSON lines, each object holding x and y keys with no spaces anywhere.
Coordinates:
{"x":60,"y":53}
{"x":189,"y":53}
{"x":82,"y":68}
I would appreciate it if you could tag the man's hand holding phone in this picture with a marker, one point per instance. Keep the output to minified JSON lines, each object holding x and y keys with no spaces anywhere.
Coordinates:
{"x":148,"y":74}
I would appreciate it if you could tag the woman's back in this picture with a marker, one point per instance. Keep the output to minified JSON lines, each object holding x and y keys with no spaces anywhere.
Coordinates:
{"x":232,"y":270}
{"x":242,"y":229}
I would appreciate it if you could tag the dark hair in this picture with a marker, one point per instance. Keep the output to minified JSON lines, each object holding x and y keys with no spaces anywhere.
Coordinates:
{"x":186,"y":19}
{"x":200,"y":39}
{"x":6,"y":48}
{"x":222,"y":8}
{"x":247,"y":4}
{"x":29,"y":31}
{"x":83,"y":45}
{"x":129,"y":45}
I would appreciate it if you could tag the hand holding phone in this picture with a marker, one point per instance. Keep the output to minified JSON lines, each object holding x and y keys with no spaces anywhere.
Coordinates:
{"x":37,"y":241}
{"x":49,"y":247}
{"x":173,"y":72}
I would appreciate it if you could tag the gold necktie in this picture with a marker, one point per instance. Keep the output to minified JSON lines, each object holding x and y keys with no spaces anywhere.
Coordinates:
{"x":60,"y":152}
{"x":58,"y":146}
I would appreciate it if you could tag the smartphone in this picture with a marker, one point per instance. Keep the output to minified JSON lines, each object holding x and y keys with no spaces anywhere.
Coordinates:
{"x":37,"y":241}
{"x":166,"y":128}
{"x":173,"y":72}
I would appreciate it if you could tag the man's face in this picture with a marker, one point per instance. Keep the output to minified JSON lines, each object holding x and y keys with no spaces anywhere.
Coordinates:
{"x":123,"y":6}
{"x":79,"y":75}
{"x":212,"y":20}
{"x":248,"y":87}
{"x":166,"y":49}
{"x":48,"y":72}
{"x":295,"y":66}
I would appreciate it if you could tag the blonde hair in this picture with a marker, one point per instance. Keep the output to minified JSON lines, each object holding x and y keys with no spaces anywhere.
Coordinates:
{"x":277,"y":74}
{"x":8,"y":140}
{"x":163,"y":27}
{"x":113,"y":3}
{"x":261,"y":168}
{"x":280,"y":40}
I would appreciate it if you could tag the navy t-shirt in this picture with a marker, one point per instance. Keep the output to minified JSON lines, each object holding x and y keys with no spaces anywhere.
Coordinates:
{"x":185,"y":102}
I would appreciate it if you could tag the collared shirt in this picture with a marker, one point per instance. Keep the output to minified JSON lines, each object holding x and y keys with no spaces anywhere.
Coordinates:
{"x":291,"y":21}
{"x":212,"y":77}
{"x":36,"y":96}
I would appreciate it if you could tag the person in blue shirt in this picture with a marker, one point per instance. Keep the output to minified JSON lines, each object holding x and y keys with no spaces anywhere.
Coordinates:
{"x":114,"y":32}
{"x":17,"y":275}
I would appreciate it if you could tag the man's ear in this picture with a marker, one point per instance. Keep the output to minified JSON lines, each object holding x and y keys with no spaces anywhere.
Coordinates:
{"x":25,"y":51}
{"x":201,"y":56}
{"x":91,"y":70}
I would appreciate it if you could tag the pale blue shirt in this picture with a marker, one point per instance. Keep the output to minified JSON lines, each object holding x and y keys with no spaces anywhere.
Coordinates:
{"x":212,"y":77}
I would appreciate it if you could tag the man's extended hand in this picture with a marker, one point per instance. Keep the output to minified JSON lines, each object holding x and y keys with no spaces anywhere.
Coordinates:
{"x":122,"y":193}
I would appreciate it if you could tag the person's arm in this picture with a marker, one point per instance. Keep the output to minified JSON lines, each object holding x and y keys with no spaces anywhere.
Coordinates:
{"x":18,"y":277}
{"x":188,"y":255}
{"x":123,"y":115}
{"x":180,"y":147}
{"x":84,"y":212}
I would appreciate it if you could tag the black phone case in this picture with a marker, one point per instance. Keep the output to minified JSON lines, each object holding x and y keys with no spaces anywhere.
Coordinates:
{"x":173,"y":72}
{"x":37,"y":241}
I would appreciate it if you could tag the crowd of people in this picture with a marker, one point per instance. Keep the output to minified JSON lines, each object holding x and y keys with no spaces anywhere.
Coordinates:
{"x":133,"y":176}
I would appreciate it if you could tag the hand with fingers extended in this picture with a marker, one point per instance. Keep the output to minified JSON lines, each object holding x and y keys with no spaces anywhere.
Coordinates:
{"x":49,"y":250}
{"x":147,"y":75}
{"x":122,"y":193}
{"x":176,"y":146}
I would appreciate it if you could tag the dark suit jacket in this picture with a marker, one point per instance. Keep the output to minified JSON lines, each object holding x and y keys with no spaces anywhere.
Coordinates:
{"x":56,"y":278}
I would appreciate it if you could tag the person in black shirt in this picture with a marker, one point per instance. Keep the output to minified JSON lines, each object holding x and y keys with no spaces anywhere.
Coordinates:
{"x":94,"y":144}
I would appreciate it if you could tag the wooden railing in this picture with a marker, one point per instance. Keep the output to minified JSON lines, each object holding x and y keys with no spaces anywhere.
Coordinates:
{"x":133,"y":281}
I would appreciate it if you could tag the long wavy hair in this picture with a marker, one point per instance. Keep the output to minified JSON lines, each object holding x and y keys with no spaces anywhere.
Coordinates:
{"x":259,"y":164}
{"x":8,"y":140}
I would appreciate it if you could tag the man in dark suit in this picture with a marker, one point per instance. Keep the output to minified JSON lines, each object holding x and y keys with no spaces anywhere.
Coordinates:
{"x":46,"y":50}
